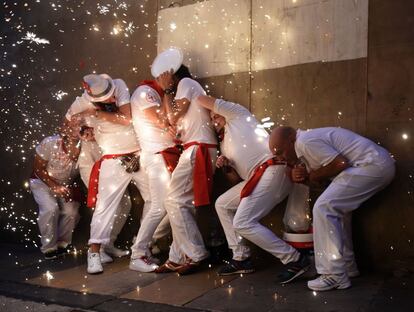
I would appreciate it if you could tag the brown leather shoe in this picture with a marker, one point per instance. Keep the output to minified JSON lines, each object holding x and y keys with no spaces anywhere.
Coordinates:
{"x":168,"y":267}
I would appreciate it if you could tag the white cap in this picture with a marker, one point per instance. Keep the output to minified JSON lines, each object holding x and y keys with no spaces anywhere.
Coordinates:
{"x":98,"y":88}
{"x":170,"y":59}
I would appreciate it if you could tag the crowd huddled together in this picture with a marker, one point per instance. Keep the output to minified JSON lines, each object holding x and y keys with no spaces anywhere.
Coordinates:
{"x":169,"y":138}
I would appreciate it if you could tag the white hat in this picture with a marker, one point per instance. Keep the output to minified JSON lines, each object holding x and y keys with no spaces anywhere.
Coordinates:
{"x":98,"y":88}
{"x":172,"y":58}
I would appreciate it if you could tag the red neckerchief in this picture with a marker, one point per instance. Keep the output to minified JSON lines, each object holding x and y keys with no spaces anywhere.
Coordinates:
{"x":153,"y":84}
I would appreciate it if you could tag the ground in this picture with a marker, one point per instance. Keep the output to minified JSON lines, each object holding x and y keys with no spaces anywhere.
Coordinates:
{"x":29,"y":283}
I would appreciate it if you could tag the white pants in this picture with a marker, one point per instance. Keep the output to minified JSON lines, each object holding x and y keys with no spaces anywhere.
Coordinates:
{"x":121,"y":216}
{"x":179,"y":203}
{"x":113,"y":181}
{"x":241,"y":218}
{"x":332,"y":214}
{"x":155,"y":220}
{"x":57,"y":218}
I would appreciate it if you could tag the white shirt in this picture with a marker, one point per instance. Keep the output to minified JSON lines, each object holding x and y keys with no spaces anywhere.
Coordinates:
{"x":245,"y":144}
{"x":60,"y":166}
{"x":196,"y":124}
{"x":151,"y":137}
{"x":112,"y":138}
{"x":89,"y":154}
{"x":320,"y":146}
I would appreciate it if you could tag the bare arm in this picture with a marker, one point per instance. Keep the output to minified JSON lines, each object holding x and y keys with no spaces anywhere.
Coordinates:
{"x":122,"y":116}
{"x":175,"y":109}
{"x":206,"y":101}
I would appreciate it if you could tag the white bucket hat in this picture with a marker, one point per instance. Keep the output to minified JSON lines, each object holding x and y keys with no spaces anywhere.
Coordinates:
{"x":98,"y":88}
{"x":170,"y":59}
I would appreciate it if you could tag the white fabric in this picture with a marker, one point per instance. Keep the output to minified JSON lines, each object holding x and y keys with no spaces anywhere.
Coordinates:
{"x":196,"y":124}
{"x":297,"y":213}
{"x":158,"y":180}
{"x":151,"y":137}
{"x":179,"y":203}
{"x":57,"y":218}
{"x":332,"y":213}
{"x":112,"y":138}
{"x":89,"y":154}
{"x":244,"y":143}
{"x":113,"y":182}
{"x":241,"y":219}
{"x":320,"y":146}
{"x":60,"y":166}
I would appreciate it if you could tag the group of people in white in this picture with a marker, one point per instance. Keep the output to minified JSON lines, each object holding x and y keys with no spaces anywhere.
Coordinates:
{"x":169,"y":138}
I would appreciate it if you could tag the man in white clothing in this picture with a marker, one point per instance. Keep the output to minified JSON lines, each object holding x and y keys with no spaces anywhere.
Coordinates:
{"x":263,"y":184}
{"x":105,"y":106}
{"x":156,"y":138}
{"x":191,"y":181}
{"x":54,"y":191}
{"x":89,"y":154}
{"x":357,"y":167}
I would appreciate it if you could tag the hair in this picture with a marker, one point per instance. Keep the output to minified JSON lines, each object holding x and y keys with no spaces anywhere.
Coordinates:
{"x":183,"y":72}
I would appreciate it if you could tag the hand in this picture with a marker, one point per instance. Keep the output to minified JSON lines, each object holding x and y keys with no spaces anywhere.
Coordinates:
{"x":222,"y":161}
{"x":165,"y":80}
{"x":62,"y":192}
{"x":299,"y":174}
{"x":172,"y":130}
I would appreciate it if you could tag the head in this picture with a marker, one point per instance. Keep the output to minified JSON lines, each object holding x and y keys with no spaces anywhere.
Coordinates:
{"x":182,"y":72}
{"x":218,"y":122}
{"x":282,"y":144}
{"x":99,"y":88}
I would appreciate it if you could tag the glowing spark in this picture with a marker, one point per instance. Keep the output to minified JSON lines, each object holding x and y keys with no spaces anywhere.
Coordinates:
{"x":59,"y":95}
{"x":32,"y":37}
{"x":404,"y":136}
{"x":49,"y":276}
{"x":173,"y":26}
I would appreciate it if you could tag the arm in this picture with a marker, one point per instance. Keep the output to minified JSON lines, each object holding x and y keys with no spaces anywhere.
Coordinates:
{"x":206,"y":102}
{"x":40,"y":166}
{"x":229,"y":172}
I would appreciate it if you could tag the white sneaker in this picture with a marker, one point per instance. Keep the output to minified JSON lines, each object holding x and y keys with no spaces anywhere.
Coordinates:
{"x":330,"y":281}
{"x":154,"y":260}
{"x":116,"y":252}
{"x":142,"y":264}
{"x":105,"y":258}
{"x":94,"y":263}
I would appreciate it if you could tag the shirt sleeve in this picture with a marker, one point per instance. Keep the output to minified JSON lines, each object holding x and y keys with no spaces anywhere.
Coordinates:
{"x":44,"y":149}
{"x":145,"y":97}
{"x":317,"y":151}
{"x":229,"y":110}
{"x":78,"y":106}
{"x":188,"y":89}
{"x":121,"y":93}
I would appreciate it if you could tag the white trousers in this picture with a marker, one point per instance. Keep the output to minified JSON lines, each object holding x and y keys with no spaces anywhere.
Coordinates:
{"x":57,"y":218}
{"x":241,"y":218}
{"x":155,"y":221}
{"x":121,"y":217}
{"x":332,"y":214}
{"x":179,"y":203}
{"x":113,"y":181}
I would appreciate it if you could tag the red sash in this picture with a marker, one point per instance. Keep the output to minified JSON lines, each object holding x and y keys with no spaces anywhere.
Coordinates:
{"x":94,"y":178}
{"x":171,"y":156}
{"x":257,"y":175}
{"x":202,"y":173}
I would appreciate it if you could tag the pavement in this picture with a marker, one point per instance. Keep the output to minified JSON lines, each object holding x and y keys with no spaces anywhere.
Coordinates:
{"x":30,"y":283}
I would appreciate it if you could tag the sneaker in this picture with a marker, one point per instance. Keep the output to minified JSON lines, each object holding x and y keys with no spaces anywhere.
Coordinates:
{"x":94,"y":263}
{"x":294,"y":269}
{"x":168,"y":267}
{"x":51,"y":254}
{"x":237,"y":267}
{"x":330,"y":281}
{"x":142,"y":264}
{"x":66,"y":250}
{"x":115,"y":252}
{"x":188,"y":267}
{"x":105,"y":258}
{"x":154,"y":260}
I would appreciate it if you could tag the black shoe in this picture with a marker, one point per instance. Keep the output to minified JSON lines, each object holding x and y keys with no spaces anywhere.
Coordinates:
{"x":65,"y":250}
{"x":295,"y":269}
{"x":51,"y":254}
{"x":237,"y":267}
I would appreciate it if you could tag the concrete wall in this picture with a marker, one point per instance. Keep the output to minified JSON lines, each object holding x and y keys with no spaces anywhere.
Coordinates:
{"x":306,"y":63}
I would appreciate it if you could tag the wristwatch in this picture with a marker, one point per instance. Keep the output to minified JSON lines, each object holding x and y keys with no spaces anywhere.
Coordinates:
{"x":169,"y":91}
